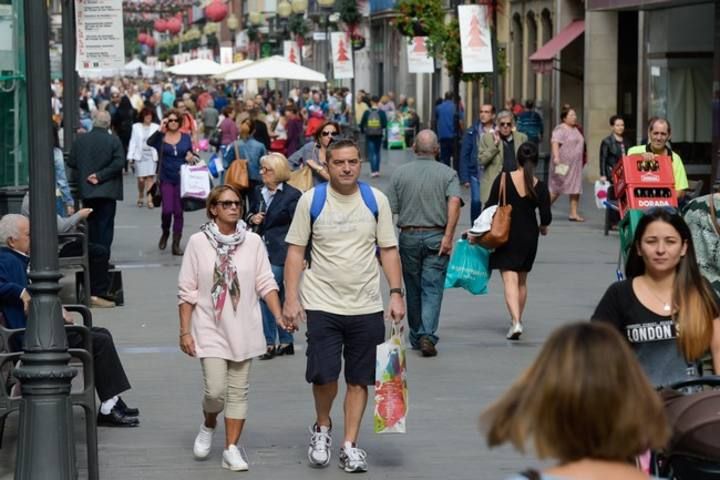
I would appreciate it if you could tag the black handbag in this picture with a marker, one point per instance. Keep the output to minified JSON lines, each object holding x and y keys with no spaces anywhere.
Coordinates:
{"x":214,"y":138}
{"x":193,"y":204}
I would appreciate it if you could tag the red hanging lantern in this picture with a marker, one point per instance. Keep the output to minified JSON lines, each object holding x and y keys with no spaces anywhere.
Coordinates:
{"x":174,"y":25}
{"x":142,"y":38}
{"x":216,"y":11}
{"x":160,"y":25}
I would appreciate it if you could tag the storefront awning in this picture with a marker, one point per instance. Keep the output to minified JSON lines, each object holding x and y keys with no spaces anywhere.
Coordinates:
{"x":542,"y":59}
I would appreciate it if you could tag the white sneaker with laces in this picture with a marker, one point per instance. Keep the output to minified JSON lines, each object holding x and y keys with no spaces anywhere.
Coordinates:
{"x":516,"y":329}
{"x":203,"y":442}
{"x":353,"y":459}
{"x":233,"y":460}
{"x":320,"y":443}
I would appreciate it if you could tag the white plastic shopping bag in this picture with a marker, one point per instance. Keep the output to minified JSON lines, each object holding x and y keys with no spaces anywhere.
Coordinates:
{"x":601,"y":193}
{"x":195,"y":181}
{"x":391,"y":390}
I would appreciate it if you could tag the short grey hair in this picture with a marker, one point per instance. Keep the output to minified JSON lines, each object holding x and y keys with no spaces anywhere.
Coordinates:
{"x":505,"y":114}
{"x":9,"y":227}
{"x":426,"y":142}
{"x":101,"y":119}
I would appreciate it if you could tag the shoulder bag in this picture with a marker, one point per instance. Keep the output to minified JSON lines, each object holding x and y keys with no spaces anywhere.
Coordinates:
{"x":237,"y":173}
{"x":500,"y":229}
{"x":155,"y":191}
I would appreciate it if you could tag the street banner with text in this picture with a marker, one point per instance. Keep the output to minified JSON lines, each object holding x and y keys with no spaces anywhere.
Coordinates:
{"x":226,"y":55}
{"x":342,"y":55}
{"x":291,"y":52}
{"x":100,"y":41}
{"x":475,"y":40}
{"x":419,"y":60}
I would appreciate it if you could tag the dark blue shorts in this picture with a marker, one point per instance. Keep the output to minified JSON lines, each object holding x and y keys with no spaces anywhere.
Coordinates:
{"x":354,"y":337}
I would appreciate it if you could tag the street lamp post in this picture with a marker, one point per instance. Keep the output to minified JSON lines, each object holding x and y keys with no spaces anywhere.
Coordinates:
{"x":70,"y":90}
{"x":45,"y":412}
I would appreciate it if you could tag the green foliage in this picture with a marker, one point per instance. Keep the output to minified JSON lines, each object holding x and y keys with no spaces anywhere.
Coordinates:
{"x":298,"y":26}
{"x":427,"y":18}
{"x":348,"y":10}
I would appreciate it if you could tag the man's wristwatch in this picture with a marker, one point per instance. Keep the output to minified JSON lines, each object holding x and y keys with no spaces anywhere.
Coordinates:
{"x":399,"y":291}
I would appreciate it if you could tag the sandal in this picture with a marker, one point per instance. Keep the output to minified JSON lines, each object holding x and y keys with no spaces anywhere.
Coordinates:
{"x":576,"y":219}
{"x":150,"y":203}
{"x":139,"y":203}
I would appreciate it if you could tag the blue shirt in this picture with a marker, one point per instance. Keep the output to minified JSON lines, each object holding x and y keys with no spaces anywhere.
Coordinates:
{"x":446,"y":117}
{"x":252,"y":151}
{"x":469,"y":154}
{"x":171,"y":157}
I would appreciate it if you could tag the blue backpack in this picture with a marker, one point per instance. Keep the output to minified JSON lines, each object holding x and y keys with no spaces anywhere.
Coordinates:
{"x":318,"y":202}
{"x":320,"y":196}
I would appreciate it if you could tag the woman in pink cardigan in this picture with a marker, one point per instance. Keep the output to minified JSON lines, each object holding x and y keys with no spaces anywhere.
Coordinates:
{"x":225,"y":271}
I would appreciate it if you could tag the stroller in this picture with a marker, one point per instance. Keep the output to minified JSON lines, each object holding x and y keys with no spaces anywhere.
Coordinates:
{"x":694,"y":449}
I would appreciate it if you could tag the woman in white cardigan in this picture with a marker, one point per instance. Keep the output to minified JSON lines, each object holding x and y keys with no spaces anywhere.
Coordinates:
{"x":142,"y":157}
{"x":225,"y":272}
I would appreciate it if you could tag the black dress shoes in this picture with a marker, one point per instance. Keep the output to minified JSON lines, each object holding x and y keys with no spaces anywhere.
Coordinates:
{"x":129,"y":411}
{"x":269,"y":354}
{"x":116,"y":418}
{"x":285,"y":350}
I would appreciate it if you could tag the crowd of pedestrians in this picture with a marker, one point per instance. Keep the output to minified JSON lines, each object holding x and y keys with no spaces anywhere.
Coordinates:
{"x":307,"y":241}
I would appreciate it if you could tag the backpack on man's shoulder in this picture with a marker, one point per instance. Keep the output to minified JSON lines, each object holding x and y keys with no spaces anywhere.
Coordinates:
{"x":373,"y":127}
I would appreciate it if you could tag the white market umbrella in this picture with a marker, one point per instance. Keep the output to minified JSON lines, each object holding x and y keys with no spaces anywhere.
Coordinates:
{"x":229,"y":67}
{"x":276,"y":67}
{"x":199,"y":67}
{"x":131,"y":68}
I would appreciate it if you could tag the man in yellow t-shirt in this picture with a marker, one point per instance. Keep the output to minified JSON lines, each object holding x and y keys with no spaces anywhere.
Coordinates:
{"x":340,"y":294}
{"x":659,"y":133}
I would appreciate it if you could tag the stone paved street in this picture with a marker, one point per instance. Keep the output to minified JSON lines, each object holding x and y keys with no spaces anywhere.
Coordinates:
{"x":475,"y":364}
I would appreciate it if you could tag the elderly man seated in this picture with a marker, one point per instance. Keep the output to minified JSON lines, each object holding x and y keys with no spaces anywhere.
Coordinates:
{"x":110,"y":378}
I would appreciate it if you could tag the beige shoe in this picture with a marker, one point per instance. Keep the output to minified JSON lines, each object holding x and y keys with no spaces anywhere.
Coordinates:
{"x":99,"y":302}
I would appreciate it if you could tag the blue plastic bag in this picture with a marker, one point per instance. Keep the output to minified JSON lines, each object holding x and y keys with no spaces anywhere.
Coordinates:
{"x":469,"y":268}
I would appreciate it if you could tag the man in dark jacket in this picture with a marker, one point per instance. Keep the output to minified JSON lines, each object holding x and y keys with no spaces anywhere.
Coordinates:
{"x":99,"y":158}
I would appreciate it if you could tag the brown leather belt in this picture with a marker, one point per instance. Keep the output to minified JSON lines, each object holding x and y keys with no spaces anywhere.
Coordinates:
{"x":420,"y":229}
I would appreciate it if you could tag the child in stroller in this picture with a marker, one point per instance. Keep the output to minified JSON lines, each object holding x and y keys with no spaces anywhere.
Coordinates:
{"x":671,"y":316}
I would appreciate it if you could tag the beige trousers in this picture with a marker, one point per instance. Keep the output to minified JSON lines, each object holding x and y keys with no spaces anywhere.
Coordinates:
{"x":226,"y":386}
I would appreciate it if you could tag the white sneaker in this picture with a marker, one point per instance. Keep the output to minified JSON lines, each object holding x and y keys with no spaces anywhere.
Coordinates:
{"x":233,"y":460}
{"x":319,"y":449}
{"x":203,"y":442}
{"x":353,"y":459}
{"x":516,"y":329}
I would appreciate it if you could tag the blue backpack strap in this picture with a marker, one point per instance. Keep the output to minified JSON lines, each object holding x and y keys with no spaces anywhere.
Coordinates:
{"x":369,"y":198}
{"x":318,"y":201}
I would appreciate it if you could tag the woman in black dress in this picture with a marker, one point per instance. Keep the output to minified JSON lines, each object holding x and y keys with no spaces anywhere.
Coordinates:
{"x":515,"y":259}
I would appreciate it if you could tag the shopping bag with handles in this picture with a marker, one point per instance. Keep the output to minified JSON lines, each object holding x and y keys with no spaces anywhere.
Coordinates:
{"x":391,"y":390}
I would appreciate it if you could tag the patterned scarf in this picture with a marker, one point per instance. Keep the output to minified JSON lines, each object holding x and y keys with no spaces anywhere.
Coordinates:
{"x":224,"y":275}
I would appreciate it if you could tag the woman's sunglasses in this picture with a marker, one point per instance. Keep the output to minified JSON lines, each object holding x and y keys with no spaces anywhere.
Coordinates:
{"x":333,"y":133}
{"x":227,"y":204}
{"x":173,"y":120}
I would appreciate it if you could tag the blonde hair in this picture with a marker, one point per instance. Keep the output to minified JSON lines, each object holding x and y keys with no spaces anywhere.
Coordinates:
{"x":279,"y":164}
{"x":585,"y":396}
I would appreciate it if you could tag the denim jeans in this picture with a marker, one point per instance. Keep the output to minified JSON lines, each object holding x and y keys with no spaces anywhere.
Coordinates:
{"x":270,"y":328}
{"x":424,"y":274}
{"x":373,"y":152}
{"x":475,"y":203}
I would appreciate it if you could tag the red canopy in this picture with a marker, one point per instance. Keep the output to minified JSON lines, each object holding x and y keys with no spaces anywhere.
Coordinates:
{"x":542,"y":59}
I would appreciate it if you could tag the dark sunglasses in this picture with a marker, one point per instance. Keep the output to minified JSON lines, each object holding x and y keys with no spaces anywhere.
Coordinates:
{"x":325,"y":134}
{"x":506,"y":124}
{"x":226,"y":204}
{"x":173,"y":120}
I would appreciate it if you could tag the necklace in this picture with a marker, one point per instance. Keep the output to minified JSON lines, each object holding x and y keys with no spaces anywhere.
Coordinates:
{"x":666,"y":305}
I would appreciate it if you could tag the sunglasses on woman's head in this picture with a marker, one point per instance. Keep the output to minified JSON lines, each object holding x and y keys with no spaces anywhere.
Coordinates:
{"x":227,"y":204}
{"x":333,"y":133}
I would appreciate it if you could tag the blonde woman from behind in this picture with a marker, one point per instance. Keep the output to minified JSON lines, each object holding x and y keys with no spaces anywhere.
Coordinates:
{"x":584,"y":402}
